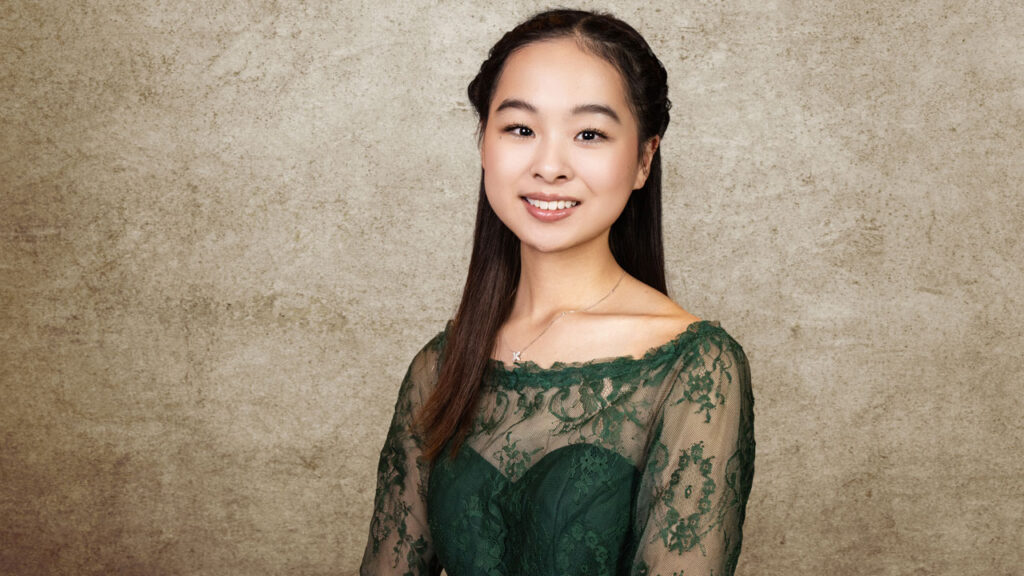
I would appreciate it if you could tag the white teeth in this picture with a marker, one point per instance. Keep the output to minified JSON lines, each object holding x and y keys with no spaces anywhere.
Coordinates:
{"x":554,"y":205}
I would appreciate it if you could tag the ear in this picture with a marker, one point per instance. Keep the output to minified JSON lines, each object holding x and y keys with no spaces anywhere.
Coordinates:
{"x":644,"y":169}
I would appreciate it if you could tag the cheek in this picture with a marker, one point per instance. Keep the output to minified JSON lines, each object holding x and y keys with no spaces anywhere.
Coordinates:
{"x":501,"y":155}
{"x":496,"y":175}
{"x":504,"y":164}
{"x":611,"y":173}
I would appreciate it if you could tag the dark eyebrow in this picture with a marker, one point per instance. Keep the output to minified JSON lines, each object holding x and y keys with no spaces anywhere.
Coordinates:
{"x":516,"y":103}
{"x":596,"y":109}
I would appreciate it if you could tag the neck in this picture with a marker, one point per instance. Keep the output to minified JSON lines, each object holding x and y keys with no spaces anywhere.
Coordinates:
{"x":550,"y":283}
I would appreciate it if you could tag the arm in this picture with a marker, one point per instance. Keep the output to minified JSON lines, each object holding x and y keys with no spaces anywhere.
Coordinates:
{"x":700,"y":465}
{"x":399,"y":542}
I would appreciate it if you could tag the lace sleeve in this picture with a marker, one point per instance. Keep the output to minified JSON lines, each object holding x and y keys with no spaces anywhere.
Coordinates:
{"x":399,"y":542}
{"x":699,"y":468}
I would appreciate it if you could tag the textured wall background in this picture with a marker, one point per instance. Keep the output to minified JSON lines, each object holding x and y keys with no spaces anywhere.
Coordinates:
{"x":227,"y":227}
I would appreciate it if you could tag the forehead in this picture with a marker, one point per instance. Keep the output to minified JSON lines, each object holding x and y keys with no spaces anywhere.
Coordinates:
{"x":558,"y":74}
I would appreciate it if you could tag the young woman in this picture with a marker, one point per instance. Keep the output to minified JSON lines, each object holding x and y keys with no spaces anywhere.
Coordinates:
{"x":571,"y":418}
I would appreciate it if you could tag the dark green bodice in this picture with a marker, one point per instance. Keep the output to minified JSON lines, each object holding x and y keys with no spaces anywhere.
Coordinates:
{"x":614,"y":466}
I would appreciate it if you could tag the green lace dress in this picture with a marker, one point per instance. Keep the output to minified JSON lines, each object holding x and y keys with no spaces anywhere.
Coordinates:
{"x":616,"y":466}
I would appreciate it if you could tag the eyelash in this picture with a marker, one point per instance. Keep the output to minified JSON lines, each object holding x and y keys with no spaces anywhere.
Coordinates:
{"x":513,"y":128}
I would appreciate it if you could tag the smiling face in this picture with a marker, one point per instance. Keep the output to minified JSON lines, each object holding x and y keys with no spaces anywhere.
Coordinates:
{"x":559,"y":151}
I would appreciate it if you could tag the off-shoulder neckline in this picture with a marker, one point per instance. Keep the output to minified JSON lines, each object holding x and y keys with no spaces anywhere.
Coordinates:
{"x":559,"y":374}
{"x":530,"y":367}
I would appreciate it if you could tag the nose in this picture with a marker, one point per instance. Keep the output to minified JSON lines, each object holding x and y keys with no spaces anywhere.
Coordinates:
{"x":551,"y":162}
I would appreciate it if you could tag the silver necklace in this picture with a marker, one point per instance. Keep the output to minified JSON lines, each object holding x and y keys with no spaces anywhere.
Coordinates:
{"x":516,"y":354}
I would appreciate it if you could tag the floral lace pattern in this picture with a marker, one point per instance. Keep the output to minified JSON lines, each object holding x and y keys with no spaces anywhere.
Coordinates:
{"x":638,"y":466}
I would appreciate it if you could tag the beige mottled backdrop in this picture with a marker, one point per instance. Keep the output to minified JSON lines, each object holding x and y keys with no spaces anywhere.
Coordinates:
{"x":226,"y":228}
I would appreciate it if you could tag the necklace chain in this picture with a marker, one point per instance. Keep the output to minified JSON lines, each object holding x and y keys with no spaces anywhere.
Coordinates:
{"x":517,"y":353}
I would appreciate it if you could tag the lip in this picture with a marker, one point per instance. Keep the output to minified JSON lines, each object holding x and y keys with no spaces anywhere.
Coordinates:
{"x":548,"y":215}
{"x":549,"y":197}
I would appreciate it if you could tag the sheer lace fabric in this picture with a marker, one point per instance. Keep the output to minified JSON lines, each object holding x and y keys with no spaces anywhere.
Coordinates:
{"x":638,"y":466}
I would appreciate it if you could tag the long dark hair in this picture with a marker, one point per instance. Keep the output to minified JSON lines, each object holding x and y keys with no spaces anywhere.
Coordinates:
{"x":634,"y":239}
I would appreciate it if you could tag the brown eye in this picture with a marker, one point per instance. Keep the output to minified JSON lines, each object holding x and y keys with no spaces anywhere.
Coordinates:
{"x":591,"y":135}
{"x":519,"y":130}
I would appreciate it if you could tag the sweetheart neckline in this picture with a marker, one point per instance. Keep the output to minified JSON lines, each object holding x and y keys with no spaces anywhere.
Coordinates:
{"x":490,"y":465}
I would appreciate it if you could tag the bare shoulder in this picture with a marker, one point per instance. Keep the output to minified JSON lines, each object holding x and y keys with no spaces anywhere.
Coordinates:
{"x":652,"y":318}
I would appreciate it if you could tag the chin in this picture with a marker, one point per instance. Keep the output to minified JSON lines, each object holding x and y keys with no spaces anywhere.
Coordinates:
{"x":554,"y":246}
{"x":548,"y":238}
{"x":547,"y":248}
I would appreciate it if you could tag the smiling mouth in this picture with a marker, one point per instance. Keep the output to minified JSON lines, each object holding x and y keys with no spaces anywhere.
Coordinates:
{"x":552,"y":205}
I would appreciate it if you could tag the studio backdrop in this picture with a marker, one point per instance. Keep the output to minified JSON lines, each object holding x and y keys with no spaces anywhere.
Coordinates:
{"x":227,"y":227}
